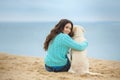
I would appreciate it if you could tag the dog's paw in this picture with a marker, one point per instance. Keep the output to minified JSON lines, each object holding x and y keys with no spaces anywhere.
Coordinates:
{"x":71,"y":71}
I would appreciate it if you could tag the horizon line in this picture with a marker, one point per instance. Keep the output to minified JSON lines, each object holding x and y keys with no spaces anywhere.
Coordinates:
{"x":58,"y":20}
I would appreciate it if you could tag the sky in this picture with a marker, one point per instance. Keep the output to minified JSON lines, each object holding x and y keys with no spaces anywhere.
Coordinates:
{"x":54,"y":10}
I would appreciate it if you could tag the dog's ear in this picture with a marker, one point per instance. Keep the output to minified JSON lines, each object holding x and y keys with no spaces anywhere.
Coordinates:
{"x":83,"y":29}
{"x":74,"y":29}
{"x":78,"y":28}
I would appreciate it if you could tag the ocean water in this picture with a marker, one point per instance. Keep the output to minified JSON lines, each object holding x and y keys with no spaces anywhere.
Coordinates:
{"x":27,"y":38}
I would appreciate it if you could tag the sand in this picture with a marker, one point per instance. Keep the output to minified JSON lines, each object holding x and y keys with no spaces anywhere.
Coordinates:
{"x":14,"y":67}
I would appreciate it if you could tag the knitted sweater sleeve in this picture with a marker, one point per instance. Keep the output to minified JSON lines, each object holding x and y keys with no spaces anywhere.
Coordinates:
{"x":69,"y":42}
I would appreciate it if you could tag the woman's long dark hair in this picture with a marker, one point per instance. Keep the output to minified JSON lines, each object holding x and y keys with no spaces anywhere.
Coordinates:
{"x":56,"y":30}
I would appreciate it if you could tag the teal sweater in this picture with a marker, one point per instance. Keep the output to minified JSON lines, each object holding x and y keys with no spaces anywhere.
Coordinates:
{"x":58,"y":49}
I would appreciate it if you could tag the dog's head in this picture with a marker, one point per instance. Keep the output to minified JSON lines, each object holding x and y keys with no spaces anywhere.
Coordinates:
{"x":78,"y":30}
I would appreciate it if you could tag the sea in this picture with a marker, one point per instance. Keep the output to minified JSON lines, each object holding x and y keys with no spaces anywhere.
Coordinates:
{"x":27,"y":38}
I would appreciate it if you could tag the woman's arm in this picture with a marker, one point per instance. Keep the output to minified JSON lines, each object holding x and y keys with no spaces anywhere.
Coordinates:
{"x":69,"y":42}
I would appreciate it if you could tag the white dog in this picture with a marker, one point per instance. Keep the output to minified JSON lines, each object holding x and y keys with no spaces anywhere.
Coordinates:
{"x":79,"y":62}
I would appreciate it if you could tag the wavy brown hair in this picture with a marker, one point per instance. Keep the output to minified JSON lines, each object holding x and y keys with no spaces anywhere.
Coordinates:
{"x":56,"y":30}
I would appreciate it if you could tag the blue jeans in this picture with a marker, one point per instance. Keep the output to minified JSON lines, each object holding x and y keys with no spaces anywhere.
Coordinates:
{"x":64,"y":68}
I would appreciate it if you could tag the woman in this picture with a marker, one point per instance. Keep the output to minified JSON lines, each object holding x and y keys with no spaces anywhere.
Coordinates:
{"x":57,"y":44}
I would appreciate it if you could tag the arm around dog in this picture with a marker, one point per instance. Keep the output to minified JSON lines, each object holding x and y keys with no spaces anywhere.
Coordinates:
{"x":69,"y":42}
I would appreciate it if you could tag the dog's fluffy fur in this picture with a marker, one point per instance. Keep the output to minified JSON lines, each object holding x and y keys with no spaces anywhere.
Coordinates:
{"x":79,"y":63}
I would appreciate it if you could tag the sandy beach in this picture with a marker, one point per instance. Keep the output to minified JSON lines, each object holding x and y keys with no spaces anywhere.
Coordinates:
{"x":14,"y":67}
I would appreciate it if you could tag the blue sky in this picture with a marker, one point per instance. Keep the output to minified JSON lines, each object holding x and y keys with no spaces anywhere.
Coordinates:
{"x":54,"y":10}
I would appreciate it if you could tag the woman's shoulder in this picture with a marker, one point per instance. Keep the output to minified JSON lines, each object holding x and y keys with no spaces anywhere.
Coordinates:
{"x":63,"y":35}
